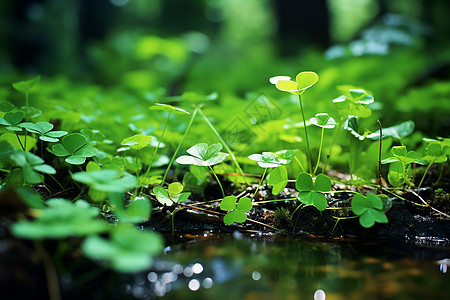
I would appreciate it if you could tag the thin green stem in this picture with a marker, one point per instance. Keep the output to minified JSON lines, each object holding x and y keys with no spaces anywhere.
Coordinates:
{"x":137,"y":173}
{"x":423,"y":177}
{"x":26,"y":109}
{"x":441,"y":171}
{"x":306,"y":133}
{"x":262,"y":178}
{"x":336,"y":133}
{"x":299,"y":163}
{"x":154,"y":153}
{"x":379,"y":155}
{"x":218,"y":181}
{"x":320,"y":151}
{"x":224,"y":144}
{"x":179,"y":145}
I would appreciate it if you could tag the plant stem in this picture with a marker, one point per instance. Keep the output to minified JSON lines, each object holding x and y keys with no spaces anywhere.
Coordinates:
{"x":299,"y":163}
{"x":224,"y":144}
{"x":26,"y":109}
{"x":137,"y":173}
{"x":379,"y":155}
{"x":218,"y":181}
{"x":320,"y":151}
{"x":423,"y":177}
{"x":179,"y":145}
{"x":306,"y":133}
{"x":440,"y":175}
{"x":50,"y":272}
{"x":262,"y":178}
{"x":154,"y":153}
{"x":336,"y":133}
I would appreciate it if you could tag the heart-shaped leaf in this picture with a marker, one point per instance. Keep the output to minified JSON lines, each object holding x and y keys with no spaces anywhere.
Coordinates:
{"x":244,"y":204}
{"x":312,"y":193}
{"x":228,"y":202}
{"x":137,"y":141}
{"x":202,"y":155}
{"x":175,"y":188}
{"x":369,"y":209}
{"x":304,"y":80}
{"x":278,"y":179}
{"x":268,"y":160}
{"x":26,"y":85}
{"x":323,"y":120}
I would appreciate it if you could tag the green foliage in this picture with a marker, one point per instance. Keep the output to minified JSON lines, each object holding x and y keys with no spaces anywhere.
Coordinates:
{"x":203,"y":155}
{"x":138,"y":210}
{"x":398,"y":131}
{"x":278,"y":179}
{"x":60,"y":220}
{"x":127,"y":250}
{"x":236,"y":211}
{"x":75,"y":147}
{"x":12,"y":119}
{"x":31,"y":164}
{"x":169,"y":108}
{"x":311,"y":193}
{"x":400,"y":165}
{"x":323,"y":120}
{"x":26,"y":85}
{"x":106,"y":180}
{"x":303,"y":81}
{"x":43,"y":129}
{"x":137,"y":141}
{"x":354,"y":102}
{"x":172,"y":195}
{"x":369,"y":209}
{"x":268,"y":160}
{"x":21,"y":142}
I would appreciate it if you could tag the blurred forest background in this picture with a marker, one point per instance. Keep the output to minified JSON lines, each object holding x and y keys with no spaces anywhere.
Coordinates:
{"x":397,"y":49}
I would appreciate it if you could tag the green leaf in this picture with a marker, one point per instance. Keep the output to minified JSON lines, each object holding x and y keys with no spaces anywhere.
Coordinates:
{"x":73,"y":142}
{"x":212,"y":151}
{"x":306,"y":197}
{"x":137,"y":212}
{"x":26,"y":85}
{"x":13,"y":118}
{"x":359,"y":204}
{"x":370,"y":209}
{"x":434,"y":149}
{"x":288,"y":86}
{"x":137,"y":141}
{"x":198,"y":150}
{"x":183,"y":197}
{"x":397,"y":132}
{"x":227,"y":203}
{"x":278,"y":179}
{"x":168,"y":108}
{"x":244,"y":204}
{"x":304,"y":182}
{"x":106,"y":180}
{"x":323,"y":120}
{"x":396,"y":173}
{"x":319,"y":201}
{"x":202,"y":155}
{"x":175,"y":188}
{"x":304,"y":80}
{"x":234,"y":216}
{"x":322,"y":183}
{"x":162,"y":195}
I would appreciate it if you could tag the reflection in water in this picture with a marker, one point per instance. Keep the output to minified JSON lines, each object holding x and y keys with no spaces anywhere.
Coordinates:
{"x":226,"y":267}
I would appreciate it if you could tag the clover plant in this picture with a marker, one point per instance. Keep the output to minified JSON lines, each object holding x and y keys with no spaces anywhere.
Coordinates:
{"x":435,"y":153}
{"x":203,"y":155}
{"x":303,"y":81}
{"x":369,"y":209}
{"x":267,"y":160}
{"x":127,"y":250}
{"x":173,"y":194}
{"x":236,"y":209}
{"x":312,"y":192}
{"x":25,"y":87}
{"x":75,"y":148}
{"x":62,"y":218}
{"x":44,"y":130}
{"x":400,"y":165}
{"x":31,"y":164}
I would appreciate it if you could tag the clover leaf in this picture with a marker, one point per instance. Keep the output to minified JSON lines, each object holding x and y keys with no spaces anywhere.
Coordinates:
{"x":137,"y":211}
{"x":12,"y":119}
{"x":278,"y":179}
{"x":203,"y":155}
{"x":75,"y":147}
{"x":26,"y":85}
{"x":127,"y":250}
{"x":43,"y":129}
{"x":435,"y":153}
{"x":236,"y":212}
{"x":369,"y":209}
{"x":268,"y":160}
{"x":31,"y":164}
{"x":353,"y":102}
{"x":62,"y":219}
{"x":172,"y":195}
{"x":304,"y":80}
{"x":106,"y":180}
{"x":398,"y":131}
{"x":169,"y":108}
{"x":311,"y":193}
{"x":137,"y":141}
{"x":323,"y":120}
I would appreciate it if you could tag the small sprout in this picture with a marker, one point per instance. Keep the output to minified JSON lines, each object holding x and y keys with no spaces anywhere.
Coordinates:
{"x":353,"y":102}
{"x":311,"y":193}
{"x":75,"y":147}
{"x":268,"y":160}
{"x":278,"y":179}
{"x":26,"y":85}
{"x":172,"y":195}
{"x":369,"y":209}
{"x":43,"y":129}
{"x":236,"y":212}
{"x":203,"y":155}
{"x":304,"y":80}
